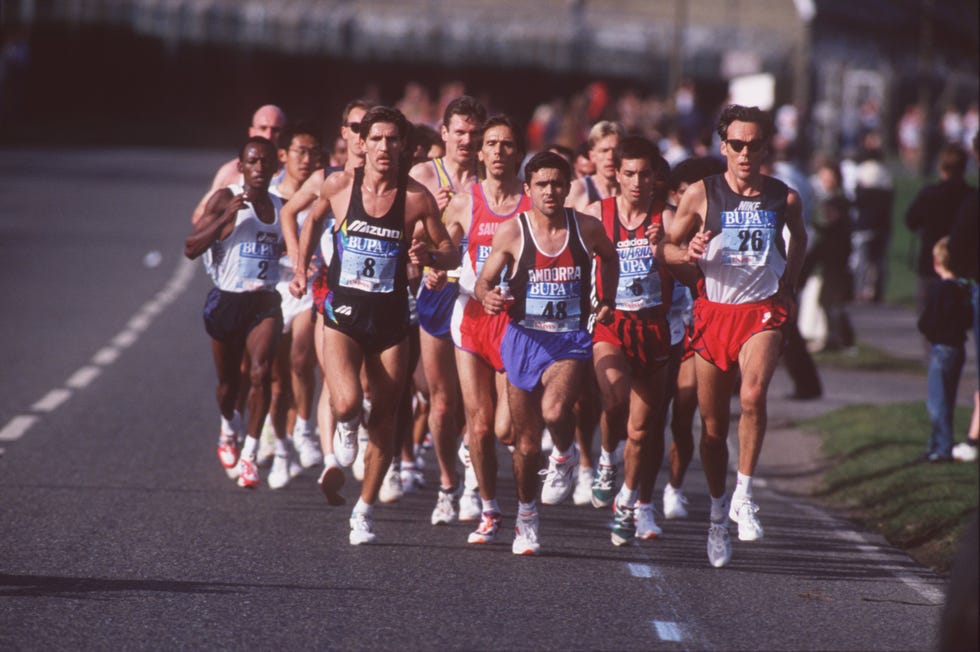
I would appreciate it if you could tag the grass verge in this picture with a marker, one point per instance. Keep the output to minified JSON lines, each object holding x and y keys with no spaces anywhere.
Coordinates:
{"x":868,"y":358}
{"x":921,"y":508}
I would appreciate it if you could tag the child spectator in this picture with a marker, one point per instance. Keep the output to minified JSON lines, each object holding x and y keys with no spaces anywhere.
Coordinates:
{"x":947,"y":315}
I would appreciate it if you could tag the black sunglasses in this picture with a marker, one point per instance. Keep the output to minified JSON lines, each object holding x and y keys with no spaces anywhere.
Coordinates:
{"x":753,"y":145}
{"x":353,"y":126}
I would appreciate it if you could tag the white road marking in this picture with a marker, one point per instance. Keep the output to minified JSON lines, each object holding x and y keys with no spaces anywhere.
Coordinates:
{"x":125,"y":339}
{"x":83,"y":377}
{"x":17,"y":426}
{"x":106,"y":356}
{"x":668,"y":631}
{"x":643,"y":570}
{"x":52,"y":400}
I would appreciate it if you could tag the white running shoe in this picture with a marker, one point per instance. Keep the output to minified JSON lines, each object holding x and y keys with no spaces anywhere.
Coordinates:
{"x":361,"y":529}
{"x":558,"y":477}
{"x":743,"y":513}
{"x":362,"y":441}
{"x":488,"y":529}
{"x":526,"y":535}
{"x":583,"y":486}
{"x":674,"y":502}
{"x":963,"y":452}
{"x":391,"y":486}
{"x":719,"y":544}
{"x":646,"y":524}
{"x":331,"y":480}
{"x":470,"y":505}
{"x":267,"y":445}
{"x":308,"y":449}
{"x":412,"y":479}
{"x":445,"y":512}
{"x":284,"y":467}
{"x":344,"y":444}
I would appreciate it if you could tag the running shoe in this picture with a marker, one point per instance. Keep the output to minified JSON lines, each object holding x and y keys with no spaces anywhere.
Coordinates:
{"x":674,"y":503}
{"x":604,"y":486}
{"x":331,"y":480}
{"x":391,"y":486}
{"x":248,"y":473}
{"x":228,"y":451}
{"x":345,"y":444}
{"x":743,"y":513}
{"x":362,"y":441}
{"x":488,"y":529}
{"x":445,"y":512}
{"x":412,"y":479}
{"x":267,"y":445}
{"x":719,"y":544}
{"x":583,"y":486}
{"x":963,"y":452}
{"x":470,"y":505}
{"x":646,"y":524}
{"x":284,"y":468}
{"x":624,"y":524}
{"x":361,"y":529}
{"x":558,"y":477}
{"x":308,"y":448}
{"x":526,"y":535}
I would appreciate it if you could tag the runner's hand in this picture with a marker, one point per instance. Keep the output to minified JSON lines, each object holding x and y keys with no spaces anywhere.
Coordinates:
{"x":436,"y":279}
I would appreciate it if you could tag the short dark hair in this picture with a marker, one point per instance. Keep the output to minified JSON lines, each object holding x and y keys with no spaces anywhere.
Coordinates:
{"x":547,"y":160}
{"x":298,"y":129}
{"x":257,"y":140}
{"x":466,"y":106}
{"x":384,"y":114}
{"x":561,"y":150}
{"x":501,"y":120}
{"x":634,"y":147}
{"x":734,"y":112}
{"x":694,"y":169}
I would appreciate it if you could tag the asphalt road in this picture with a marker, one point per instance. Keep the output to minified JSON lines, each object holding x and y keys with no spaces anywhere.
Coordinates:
{"x":119,"y":530}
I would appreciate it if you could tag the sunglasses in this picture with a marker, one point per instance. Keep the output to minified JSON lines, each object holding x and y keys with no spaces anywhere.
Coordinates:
{"x":753,"y":145}
{"x":353,"y":126}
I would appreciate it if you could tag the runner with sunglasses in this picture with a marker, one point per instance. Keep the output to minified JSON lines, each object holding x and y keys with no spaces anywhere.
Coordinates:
{"x":746,"y":274}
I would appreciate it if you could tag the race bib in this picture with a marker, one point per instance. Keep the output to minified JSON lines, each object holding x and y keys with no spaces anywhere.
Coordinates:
{"x":747,"y":236}
{"x":258,"y":262}
{"x":370,"y":264}
{"x":553,"y":300}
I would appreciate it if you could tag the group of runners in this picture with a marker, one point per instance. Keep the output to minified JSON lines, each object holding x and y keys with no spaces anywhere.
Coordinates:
{"x":530,"y":302}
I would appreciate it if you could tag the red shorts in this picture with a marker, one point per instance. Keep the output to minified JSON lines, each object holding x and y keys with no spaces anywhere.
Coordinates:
{"x":720,"y":329}
{"x":643,"y":336}
{"x":688,"y":349}
{"x":477,"y":332}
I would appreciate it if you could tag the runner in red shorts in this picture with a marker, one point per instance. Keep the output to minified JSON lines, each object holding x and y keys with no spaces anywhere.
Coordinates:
{"x":630,"y":354}
{"x":747,"y":274}
{"x":472,"y":219}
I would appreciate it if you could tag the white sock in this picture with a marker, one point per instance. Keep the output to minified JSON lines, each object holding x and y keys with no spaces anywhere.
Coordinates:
{"x":282,"y":449}
{"x":605,"y":457}
{"x":743,"y":488}
{"x":362,"y":507}
{"x":718,"y":508}
{"x":251,"y":445}
{"x":301,"y":427}
{"x":526,"y":509}
{"x":227,"y":427}
{"x":491,"y":506}
{"x":351,"y":425}
{"x":561,"y":455}
{"x":329,"y":461}
{"x":626,"y":496}
{"x":669,"y":489}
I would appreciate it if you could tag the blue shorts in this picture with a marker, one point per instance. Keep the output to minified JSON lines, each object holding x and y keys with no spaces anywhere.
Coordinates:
{"x":436,"y":309}
{"x":527,"y":354}
{"x":231,"y":316}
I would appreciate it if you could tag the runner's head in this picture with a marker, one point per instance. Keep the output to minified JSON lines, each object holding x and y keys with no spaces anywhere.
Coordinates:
{"x":690,"y":171}
{"x":300,"y":151}
{"x":503,"y":146}
{"x":603,"y":138}
{"x":350,"y":124}
{"x":461,"y":124}
{"x":547,"y":180}
{"x":383,"y":135}
{"x":641,"y":171}
{"x":745,"y":133}
{"x":268,"y":121}
{"x":257,"y":162}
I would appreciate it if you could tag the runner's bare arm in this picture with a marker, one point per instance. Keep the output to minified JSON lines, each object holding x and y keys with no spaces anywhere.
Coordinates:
{"x":313,"y":225}
{"x":795,"y":249}
{"x":226,"y":175}
{"x":303,"y":198}
{"x":674,"y":250}
{"x":216,"y":223}
{"x":431,"y":244}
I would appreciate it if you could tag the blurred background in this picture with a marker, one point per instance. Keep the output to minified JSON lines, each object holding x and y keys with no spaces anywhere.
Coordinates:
{"x":189,"y":73}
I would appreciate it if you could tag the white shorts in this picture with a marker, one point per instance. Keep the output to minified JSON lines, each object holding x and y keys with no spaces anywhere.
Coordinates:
{"x":291,"y":306}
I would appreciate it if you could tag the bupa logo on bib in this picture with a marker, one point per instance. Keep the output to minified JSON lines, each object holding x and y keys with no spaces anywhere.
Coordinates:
{"x":747,"y":233}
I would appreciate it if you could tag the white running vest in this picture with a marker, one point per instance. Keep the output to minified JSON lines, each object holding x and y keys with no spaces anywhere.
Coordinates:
{"x":248,"y":259}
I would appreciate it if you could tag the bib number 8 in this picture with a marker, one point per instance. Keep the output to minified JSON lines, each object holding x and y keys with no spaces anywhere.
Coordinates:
{"x":368,"y":271}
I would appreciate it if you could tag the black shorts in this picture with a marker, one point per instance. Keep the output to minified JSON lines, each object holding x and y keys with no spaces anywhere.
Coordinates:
{"x":231,"y":316}
{"x":375,"y":324}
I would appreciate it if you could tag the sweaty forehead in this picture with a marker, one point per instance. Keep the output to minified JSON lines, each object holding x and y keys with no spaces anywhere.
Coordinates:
{"x":259,"y":150}
{"x":498,"y":132}
{"x":606,"y":143}
{"x":547,"y":175}
{"x":268,"y":118}
{"x":463,"y":123}
{"x":383,"y":129}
